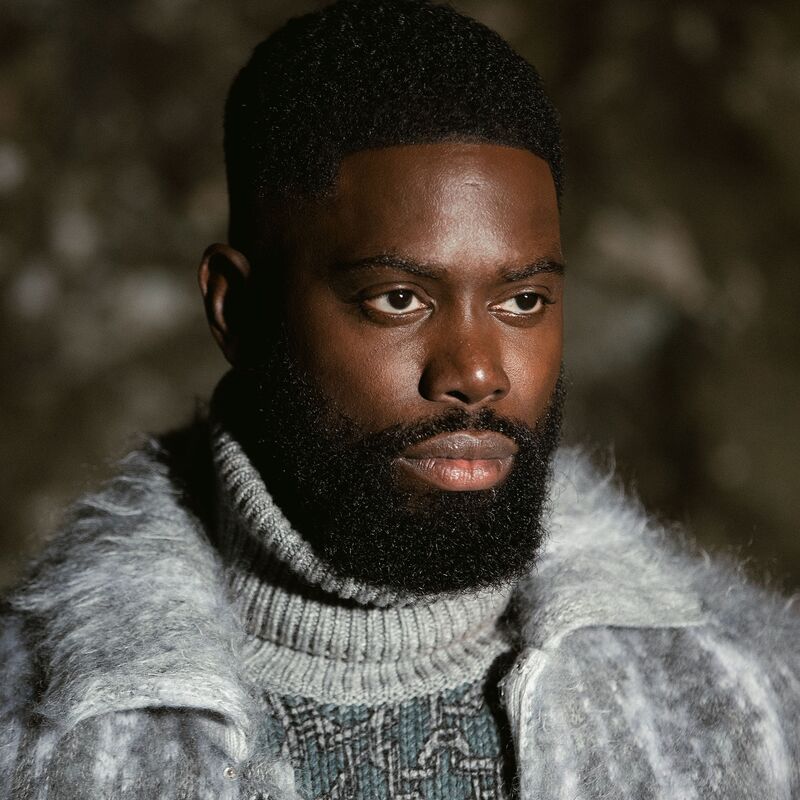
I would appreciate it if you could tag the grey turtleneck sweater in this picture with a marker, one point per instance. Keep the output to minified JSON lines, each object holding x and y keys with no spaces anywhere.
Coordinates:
{"x":366,"y":692}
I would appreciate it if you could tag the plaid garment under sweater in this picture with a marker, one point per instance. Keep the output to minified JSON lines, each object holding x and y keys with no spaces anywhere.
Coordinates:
{"x":453,"y":745}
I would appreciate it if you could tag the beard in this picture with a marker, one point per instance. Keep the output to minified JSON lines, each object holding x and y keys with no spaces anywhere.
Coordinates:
{"x":337,"y":486}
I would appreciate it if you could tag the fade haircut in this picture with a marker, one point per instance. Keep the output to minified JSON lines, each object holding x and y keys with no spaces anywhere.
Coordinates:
{"x":362,"y":74}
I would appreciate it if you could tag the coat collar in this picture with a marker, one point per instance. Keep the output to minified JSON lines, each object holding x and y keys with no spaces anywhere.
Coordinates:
{"x":130,"y":609}
{"x":606,"y":563}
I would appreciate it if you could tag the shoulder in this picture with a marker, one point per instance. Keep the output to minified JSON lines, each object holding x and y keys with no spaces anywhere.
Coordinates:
{"x":631,"y":569}
{"x":120,"y":612}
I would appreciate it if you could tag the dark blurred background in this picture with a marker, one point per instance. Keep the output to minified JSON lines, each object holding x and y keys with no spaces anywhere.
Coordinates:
{"x":682,"y":121}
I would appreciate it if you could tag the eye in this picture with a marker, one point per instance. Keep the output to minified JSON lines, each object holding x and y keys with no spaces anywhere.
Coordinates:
{"x":524,"y":304}
{"x":396,"y":302}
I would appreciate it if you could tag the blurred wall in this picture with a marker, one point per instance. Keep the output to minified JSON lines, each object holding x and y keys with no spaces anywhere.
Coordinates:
{"x":682,"y":122}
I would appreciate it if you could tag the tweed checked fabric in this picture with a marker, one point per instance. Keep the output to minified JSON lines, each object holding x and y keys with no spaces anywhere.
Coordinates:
{"x":447,"y":746}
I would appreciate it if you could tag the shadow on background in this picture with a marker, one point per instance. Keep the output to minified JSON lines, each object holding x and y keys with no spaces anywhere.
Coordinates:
{"x":680,"y":226}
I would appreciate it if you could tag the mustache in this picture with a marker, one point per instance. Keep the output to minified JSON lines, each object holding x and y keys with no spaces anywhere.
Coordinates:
{"x":391,"y":441}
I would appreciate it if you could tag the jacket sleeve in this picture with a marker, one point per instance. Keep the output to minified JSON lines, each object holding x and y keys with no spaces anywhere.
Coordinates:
{"x":16,"y":695}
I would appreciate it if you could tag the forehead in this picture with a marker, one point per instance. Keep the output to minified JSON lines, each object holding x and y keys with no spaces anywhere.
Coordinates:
{"x":443,"y":201}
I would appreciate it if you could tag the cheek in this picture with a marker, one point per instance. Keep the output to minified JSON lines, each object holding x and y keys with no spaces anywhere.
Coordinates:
{"x":533,"y":366}
{"x":372,"y":379}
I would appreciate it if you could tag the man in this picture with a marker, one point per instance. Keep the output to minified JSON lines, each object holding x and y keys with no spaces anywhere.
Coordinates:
{"x":370,"y":573}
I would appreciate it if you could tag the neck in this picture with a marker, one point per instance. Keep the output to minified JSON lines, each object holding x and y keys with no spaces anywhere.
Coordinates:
{"x":316,"y":634}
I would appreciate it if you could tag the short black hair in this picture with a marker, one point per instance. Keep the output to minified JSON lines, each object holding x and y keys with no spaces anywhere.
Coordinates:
{"x":362,"y":74}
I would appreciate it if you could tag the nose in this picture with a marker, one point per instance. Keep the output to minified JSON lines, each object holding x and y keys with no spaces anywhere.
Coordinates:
{"x":465,"y":368}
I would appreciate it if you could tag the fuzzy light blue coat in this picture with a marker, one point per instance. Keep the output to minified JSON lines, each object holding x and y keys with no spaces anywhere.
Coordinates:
{"x":645,"y":671}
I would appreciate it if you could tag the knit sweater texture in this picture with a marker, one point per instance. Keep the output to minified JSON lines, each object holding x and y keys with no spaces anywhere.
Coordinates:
{"x":443,"y":746}
{"x":645,"y":669}
{"x":311,"y":633}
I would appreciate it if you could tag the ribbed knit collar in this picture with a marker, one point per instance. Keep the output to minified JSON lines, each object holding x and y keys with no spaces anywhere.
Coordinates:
{"x":313,"y":634}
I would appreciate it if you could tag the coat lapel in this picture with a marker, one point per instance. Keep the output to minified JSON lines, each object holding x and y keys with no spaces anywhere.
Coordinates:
{"x":129,"y":611}
{"x":605,"y":565}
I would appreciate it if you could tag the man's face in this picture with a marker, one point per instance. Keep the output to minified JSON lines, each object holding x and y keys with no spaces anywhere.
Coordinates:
{"x":431,"y":280}
{"x":407,"y":418}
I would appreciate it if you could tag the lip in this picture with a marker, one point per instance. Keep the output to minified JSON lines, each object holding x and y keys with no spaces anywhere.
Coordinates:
{"x":468,"y":445}
{"x":460,"y":462}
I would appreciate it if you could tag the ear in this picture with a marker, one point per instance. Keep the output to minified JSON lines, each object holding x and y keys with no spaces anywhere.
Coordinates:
{"x":224,"y":275}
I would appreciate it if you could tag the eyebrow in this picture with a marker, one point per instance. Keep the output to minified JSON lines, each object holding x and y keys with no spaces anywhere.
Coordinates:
{"x":437,"y":271}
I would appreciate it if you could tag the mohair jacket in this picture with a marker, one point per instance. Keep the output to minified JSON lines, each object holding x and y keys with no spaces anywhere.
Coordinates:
{"x":645,"y":671}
